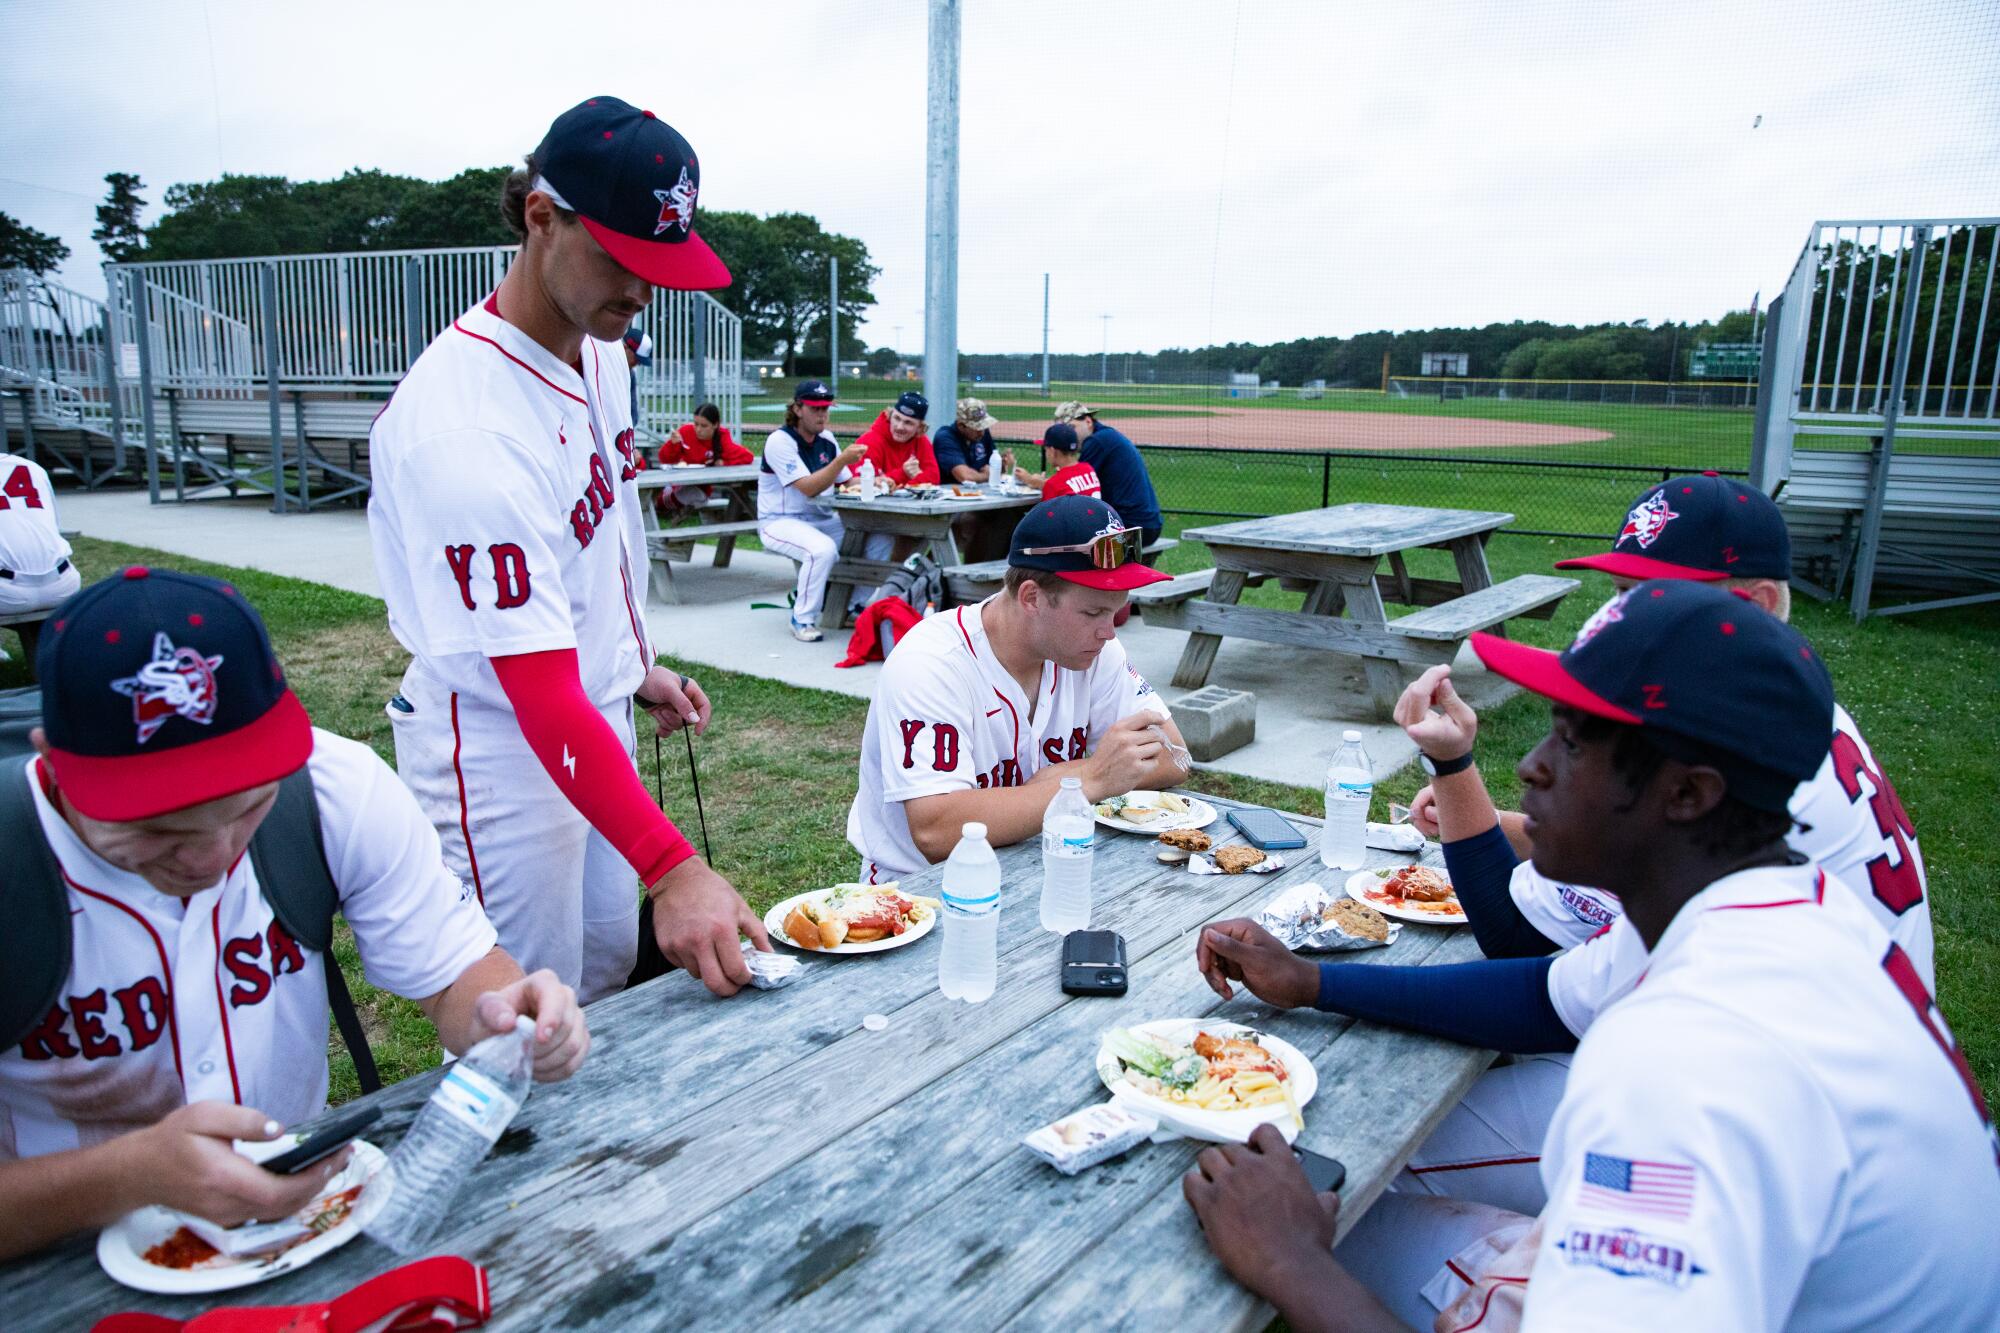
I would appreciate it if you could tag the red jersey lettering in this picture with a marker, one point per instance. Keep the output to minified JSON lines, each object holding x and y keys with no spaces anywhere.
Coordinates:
{"x":944,"y":747}
{"x":1904,"y":973}
{"x":1079,"y":743}
{"x":144,"y":1007}
{"x":1892,"y":875}
{"x":48,"y":1041}
{"x":580,"y":523}
{"x":87,"y":1011}
{"x":286,"y":956}
{"x":911,"y":729}
{"x":510,"y":575}
{"x":460,"y":560}
{"x":630,"y":468}
{"x":252,"y":983}
{"x":1052,"y":750}
{"x":20,"y":485}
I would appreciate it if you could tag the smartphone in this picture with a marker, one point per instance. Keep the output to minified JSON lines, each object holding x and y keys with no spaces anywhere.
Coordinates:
{"x":1267,"y":829}
{"x":325,"y":1141}
{"x":1322,"y":1173}
{"x":1093,"y":963}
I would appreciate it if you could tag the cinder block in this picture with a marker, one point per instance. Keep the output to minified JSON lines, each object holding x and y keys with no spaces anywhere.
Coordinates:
{"x":1215,"y":721}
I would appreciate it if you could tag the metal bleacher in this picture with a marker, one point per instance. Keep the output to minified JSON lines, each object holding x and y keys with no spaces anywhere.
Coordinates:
{"x":1879,"y":424}
{"x":214,"y":378}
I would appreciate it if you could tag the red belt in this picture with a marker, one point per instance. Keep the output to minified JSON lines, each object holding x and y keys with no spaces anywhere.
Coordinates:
{"x":429,"y":1296}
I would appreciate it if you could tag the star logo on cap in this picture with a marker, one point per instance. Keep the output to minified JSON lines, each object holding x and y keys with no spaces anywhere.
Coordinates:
{"x":177,"y":682}
{"x":676,"y":205}
{"x":1602,"y":618}
{"x":1648,"y":519}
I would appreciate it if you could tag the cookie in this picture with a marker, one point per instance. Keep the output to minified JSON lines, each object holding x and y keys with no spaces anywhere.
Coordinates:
{"x":1236,"y":860}
{"x":1187,"y":839}
{"x":1358,"y":919}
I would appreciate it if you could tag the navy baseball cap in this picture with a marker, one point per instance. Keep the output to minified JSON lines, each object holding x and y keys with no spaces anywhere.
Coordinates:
{"x":1706,"y":528}
{"x":1081,"y":522}
{"x":160,"y":691}
{"x":641,"y":345}
{"x":632,"y":179}
{"x":1684,"y":659}
{"x":813,"y":393}
{"x":1061,"y":436}
{"x":913,"y":404}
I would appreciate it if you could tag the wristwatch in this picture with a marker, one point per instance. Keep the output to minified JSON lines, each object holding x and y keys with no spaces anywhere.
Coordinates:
{"x":1444,"y":768}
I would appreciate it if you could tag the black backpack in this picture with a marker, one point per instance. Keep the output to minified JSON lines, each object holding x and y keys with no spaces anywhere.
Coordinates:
{"x":918,"y":581}
{"x":287,"y":850}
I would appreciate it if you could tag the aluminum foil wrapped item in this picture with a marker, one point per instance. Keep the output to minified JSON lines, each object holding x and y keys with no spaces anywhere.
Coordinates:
{"x":1317,"y":919}
{"x":1204,"y":865}
{"x":1395,"y":837}
{"x":768,"y":971}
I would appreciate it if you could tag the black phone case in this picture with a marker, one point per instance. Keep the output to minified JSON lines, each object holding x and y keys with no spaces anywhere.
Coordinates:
{"x":1260,"y":820}
{"x":323,"y":1142}
{"x":1093,"y":963}
{"x":1322,"y":1173}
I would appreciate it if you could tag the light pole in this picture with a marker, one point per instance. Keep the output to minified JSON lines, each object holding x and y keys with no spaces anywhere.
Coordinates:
{"x":941,"y":207}
{"x":1104,"y":353}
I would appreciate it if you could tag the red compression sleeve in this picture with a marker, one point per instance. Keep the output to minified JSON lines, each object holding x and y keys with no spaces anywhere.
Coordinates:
{"x":579,"y":749}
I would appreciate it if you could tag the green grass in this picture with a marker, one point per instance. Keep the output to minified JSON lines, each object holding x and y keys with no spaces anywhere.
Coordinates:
{"x":777,"y":766}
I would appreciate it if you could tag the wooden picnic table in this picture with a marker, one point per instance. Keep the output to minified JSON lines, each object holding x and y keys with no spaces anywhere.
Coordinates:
{"x":767,"y":1161}
{"x":1335,"y":556}
{"x":736,"y":485}
{"x":928,"y":520}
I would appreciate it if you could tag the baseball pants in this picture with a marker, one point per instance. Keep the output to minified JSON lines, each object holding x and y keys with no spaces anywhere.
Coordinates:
{"x":1402,"y":1248}
{"x":559,"y":895}
{"x":37,"y":592}
{"x":1488,"y":1148}
{"x":815,"y":544}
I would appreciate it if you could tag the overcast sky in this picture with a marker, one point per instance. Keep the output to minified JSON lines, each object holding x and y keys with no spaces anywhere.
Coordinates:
{"x":1200,"y":172}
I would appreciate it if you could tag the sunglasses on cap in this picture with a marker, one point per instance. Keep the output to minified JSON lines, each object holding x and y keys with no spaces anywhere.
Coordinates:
{"x":1107,"y":550}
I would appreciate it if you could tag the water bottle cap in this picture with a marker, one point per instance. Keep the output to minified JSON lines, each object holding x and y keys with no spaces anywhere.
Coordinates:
{"x":1073,"y":782}
{"x":524,"y":1026}
{"x":1351,"y":736}
{"x":974,"y":830}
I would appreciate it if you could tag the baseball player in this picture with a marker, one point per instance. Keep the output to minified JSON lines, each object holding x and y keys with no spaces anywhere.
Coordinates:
{"x":965,"y":447}
{"x":1742,"y":1134}
{"x":1068,"y":474}
{"x":1846,"y":819}
{"x":982,"y":711}
{"x":188,"y":1015}
{"x":35,"y":569}
{"x":1128,"y":487}
{"x":801,"y":466}
{"x":507,"y":532}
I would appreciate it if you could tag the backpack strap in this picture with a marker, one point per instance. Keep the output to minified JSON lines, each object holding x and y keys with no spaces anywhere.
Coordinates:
{"x":289,"y":854}
{"x":35,"y":945}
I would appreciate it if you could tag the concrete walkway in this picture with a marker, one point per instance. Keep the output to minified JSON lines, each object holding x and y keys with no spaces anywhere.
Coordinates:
{"x":1304,"y":698}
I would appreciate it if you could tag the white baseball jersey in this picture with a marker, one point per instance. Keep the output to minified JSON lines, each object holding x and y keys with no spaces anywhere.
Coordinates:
{"x":1775,"y":1130}
{"x":30,"y":543}
{"x":947,"y":717}
{"x":207,"y":998}
{"x":783,"y":465}
{"x":1849,"y":821}
{"x":505,"y":516}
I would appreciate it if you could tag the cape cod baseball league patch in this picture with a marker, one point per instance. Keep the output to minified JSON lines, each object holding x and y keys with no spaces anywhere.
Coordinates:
{"x":177,"y":682}
{"x":1624,"y":1252}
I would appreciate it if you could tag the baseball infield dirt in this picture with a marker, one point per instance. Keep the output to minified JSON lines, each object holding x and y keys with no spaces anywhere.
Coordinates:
{"x":1304,"y":428}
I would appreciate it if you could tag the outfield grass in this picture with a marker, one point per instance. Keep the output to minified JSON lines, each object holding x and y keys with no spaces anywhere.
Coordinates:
{"x":777,"y":766}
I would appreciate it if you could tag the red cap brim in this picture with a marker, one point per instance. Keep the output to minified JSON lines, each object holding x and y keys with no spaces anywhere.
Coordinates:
{"x":1542,"y":671}
{"x":120,"y":788}
{"x":814,"y":402}
{"x":1122,"y":579}
{"x":681,"y":266}
{"x":1624,"y":566}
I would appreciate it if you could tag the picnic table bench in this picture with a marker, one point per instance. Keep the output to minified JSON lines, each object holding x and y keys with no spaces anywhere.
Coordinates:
{"x":768,"y":1161}
{"x":1334,"y":556}
{"x":730,"y":514}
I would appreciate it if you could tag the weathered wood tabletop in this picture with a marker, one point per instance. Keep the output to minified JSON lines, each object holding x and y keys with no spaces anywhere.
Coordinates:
{"x":766,"y":1161}
{"x":1332,"y":555}
{"x":734,"y":483}
{"x":930,"y":521}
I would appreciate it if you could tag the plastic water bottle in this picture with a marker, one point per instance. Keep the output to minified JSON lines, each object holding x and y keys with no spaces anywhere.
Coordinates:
{"x":452,"y":1134}
{"x":867,"y":478}
{"x":1350,"y":786}
{"x":1066,"y":856}
{"x":970,"y":956}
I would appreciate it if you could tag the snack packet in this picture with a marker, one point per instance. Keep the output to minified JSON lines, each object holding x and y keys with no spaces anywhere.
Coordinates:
{"x":768,"y":971}
{"x":1095,"y":1134}
{"x":1202,"y":865}
{"x":1315,"y":918}
{"x":1395,"y":837}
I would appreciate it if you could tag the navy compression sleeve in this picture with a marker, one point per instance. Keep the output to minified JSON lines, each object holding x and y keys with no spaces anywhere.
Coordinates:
{"x":1481,"y":867}
{"x":1501,"y":1004}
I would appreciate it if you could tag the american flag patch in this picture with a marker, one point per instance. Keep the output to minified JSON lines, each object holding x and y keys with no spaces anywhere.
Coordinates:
{"x":1661,"y":1189}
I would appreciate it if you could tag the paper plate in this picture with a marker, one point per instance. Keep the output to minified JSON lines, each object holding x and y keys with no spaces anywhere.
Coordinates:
{"x":1200,"y":815}
{"x":774,"y":923}
{"x":1361,"y":881}
{"x":122,"y":1246}
{"x":1214,"y":1126}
